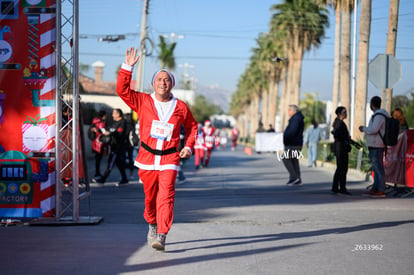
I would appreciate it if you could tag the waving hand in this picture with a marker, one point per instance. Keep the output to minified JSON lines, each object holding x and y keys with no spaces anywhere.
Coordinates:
{"x":131,"y":57}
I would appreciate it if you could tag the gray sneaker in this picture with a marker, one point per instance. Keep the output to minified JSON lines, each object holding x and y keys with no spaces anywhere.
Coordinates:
{"x":152,"y":233}
{"x":159,"y":242}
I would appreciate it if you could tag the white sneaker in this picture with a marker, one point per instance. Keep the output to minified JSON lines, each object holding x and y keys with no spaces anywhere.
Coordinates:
{"x":159,"y":242}
{"x":152,"y":233}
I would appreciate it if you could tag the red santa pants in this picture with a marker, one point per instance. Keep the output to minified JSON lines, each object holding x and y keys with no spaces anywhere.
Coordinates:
{"x":159,"y":190}
{"x":208,"y":154}
{"x":199,"y":156}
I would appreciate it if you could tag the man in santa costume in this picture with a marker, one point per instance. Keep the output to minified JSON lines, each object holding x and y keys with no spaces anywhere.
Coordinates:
{"x":209,"y":140}
{"x":160,"y":117}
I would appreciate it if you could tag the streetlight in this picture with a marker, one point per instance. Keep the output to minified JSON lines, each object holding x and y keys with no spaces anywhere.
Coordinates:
{"x":278,"y":59}
{"x":173,"y":36}
{"x":186,"y":74}
{"x":111,"y":38}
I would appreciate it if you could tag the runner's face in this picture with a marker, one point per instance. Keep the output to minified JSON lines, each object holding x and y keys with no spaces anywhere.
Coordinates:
{"x":162,"y":85}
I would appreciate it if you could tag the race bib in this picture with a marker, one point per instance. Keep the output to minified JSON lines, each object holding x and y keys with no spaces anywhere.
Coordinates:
{"x":161,"y":130}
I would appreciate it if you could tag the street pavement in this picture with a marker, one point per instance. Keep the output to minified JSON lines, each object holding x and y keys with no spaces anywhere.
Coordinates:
{"x":237,"y":216}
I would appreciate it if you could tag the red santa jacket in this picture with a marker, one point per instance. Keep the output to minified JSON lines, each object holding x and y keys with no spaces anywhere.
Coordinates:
{"x":200,"y":139}
{"x":155,"y":153}
{"x":209,"y":136}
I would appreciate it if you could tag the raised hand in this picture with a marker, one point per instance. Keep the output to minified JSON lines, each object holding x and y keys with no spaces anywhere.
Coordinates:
{"x":131,"y":57}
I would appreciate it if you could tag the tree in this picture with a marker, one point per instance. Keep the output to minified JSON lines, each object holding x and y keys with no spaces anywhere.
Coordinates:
{"x":391,"y":43}
{"x":202,"y":109}
{"x":84,"y":67}
{"x":409,"y":112}
{"x":362,"y":76}
{"x":400,"y":101}
{"x":304,"y":23}
{"x":312,"y":108}
{"x":342,"y":65}
{"x":166,"y":56}
{"x":345,"y":56}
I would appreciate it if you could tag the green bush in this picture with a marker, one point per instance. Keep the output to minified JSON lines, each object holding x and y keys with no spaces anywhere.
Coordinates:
{"x":326,"y":155}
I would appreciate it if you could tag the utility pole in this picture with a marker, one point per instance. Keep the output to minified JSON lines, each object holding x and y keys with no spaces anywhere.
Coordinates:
{"x":139,"y":86}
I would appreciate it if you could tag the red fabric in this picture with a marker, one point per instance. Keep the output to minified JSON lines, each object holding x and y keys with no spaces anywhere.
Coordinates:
{"x":200,"y":140}
{"x":159,"y":189}
{"x":409,"y":162}
{"x":394,"y":161}
{"x":198,"y":155}
{"x":208,"y":155}
{"x":96,"y":144}
{"x":143,"y":104}
{"x":209,"y":136}
{"x":158,"y":173}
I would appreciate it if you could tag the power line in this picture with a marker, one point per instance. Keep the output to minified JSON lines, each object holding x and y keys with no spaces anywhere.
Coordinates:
{"x":328,"y":59}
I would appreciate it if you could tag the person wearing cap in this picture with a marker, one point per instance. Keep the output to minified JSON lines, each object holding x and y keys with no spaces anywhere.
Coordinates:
{"x":209,"y":138}
{"x":160,"y":118}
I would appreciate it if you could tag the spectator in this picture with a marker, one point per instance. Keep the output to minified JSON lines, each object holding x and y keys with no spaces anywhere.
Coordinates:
{"x":341,"y":149}
{"x":271,"y":129}
{"x":99,"y":148}
{"x":118,"y":134}
{"x":376,"y":147}
{"x":395,"y":159}
{"x":312,"y":137}
{"x":261,"y":129}
{"x":293,"y":142}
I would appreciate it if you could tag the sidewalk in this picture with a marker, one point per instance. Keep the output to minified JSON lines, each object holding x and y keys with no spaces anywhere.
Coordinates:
{"x":237,"y":216}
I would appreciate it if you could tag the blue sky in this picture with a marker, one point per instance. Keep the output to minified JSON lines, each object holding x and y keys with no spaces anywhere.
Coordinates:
{"x":218,"y":36}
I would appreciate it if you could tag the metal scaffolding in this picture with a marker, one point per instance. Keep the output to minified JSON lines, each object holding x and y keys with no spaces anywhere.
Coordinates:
{"x":70,"y":188}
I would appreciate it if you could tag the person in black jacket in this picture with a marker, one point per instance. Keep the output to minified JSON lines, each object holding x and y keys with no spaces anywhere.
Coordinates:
{"x":341,"y":148}
{"x":293,"y":141}
{"x":118,"y":133}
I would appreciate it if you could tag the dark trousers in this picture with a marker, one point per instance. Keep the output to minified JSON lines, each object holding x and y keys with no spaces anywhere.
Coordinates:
{"x":116,"y":158}
{"x":98,"y":159}
{"x":339,"y":179}
{"x":291,"y":161}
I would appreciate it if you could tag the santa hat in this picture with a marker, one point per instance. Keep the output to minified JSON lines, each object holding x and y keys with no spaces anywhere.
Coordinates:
{"x":169,"y":74}
{"x":207,"y":122}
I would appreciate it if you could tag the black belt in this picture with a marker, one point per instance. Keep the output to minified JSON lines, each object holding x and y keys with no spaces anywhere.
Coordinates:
{"x":159,"y":152}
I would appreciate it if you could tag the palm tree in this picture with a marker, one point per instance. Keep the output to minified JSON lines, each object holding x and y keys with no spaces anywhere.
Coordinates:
{"x":342,"y":64}
{"x":391,"y":43}
{"x":255,"y":82}
{"x":304,"y":23}
{"x":337,"y":54}
{"x":276,"y":73}
{"x":362,"y":76}
{"x":312,"y":108}
{"x":240,"y":104}
{"x":166,"y":56}
{"x":265,"y":52}
{"x":345,"y":56}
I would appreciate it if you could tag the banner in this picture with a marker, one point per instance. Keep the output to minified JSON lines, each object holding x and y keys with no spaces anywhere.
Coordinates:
{"x":269,"y":142}
{"x":409,"y":158}
{"x":27,"y":107}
